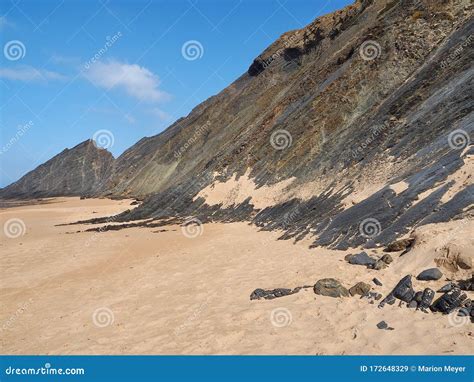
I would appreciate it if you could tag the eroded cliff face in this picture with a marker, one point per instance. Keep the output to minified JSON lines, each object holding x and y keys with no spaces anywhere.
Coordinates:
{"x":364,"y":117}
{"x":73,"y":172}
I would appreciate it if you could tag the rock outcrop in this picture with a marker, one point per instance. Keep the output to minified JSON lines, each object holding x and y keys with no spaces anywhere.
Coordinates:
{"x":78,"y":171}
{"x":376,"y":93}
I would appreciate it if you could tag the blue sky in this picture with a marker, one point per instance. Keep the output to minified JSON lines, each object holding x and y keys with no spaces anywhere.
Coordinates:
{"x":72,"y":68}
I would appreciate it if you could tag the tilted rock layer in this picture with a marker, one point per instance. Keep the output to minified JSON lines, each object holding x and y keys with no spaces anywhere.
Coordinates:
{"x":73,"y":172}
{"x":353,"y":130}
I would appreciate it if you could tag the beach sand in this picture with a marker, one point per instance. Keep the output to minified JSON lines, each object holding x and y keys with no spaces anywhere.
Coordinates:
{"x":149,"y":291}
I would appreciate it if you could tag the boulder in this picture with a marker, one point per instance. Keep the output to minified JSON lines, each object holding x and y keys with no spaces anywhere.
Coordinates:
{"x":430,"y":274}
{"x":400,"y":245}
{"x":384,"y":326}
{"x":467,"y":285}
{"x":426,"y":299}
{"x":449,"y":301}
{"x":413,"y":304}
{"x":360,"y":288}
{"x":360,"y":259}
{"x":376,"y":281}
{"x":403,"y":291}
{"x":387,"y":259}
{"x":447,"y":287}
{"x":418,"y":296}
{"x":331,"y":288}
{"x":379,"y":264}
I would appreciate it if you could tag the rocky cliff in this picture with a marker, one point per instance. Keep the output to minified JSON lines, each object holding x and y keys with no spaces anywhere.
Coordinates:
{"x":73,"y":172}
{"x":352,"y":130}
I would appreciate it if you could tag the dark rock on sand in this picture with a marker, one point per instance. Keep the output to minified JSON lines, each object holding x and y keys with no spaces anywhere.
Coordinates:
{"x":430,"y":274}
{"x":270,"y":294}
{"x":384,"y":326}
{"x":403,"y":291}
{"x":360,"y":288}
{"x":360,"y":259}
{"x":449,"y":301}
{"x":376,"y":281}
{"x":387,"y":259}
{"x":447,"y":287}
{"x":331,"y":288}
{"x":413,"y":304}
{"x":418,"y":296}
{"x":379,"y":264}
{"x":467,"y":285}
{"x":426,"y":299}
{"x":400,"y":245}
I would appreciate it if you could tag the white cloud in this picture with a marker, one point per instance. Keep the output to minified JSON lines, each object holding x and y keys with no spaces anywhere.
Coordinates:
{"x":137,"y":81}
{"x":29,"y":74}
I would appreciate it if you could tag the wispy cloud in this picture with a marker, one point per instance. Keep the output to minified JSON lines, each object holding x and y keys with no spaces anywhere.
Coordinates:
{"x":114,"y":111}
{"x":162,"y":115}
{"x":64,"y":60}
{"x":30,"y":74}
{"x":137,"y":81}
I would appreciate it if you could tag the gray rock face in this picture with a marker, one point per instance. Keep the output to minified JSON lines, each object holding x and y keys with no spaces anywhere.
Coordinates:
{"x":74,"y":172}
{"x":331,"y":288}
{"x":430,"y":274}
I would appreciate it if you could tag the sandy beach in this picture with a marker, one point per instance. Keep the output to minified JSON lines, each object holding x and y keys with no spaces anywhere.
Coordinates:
{"x":157,"y":291}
